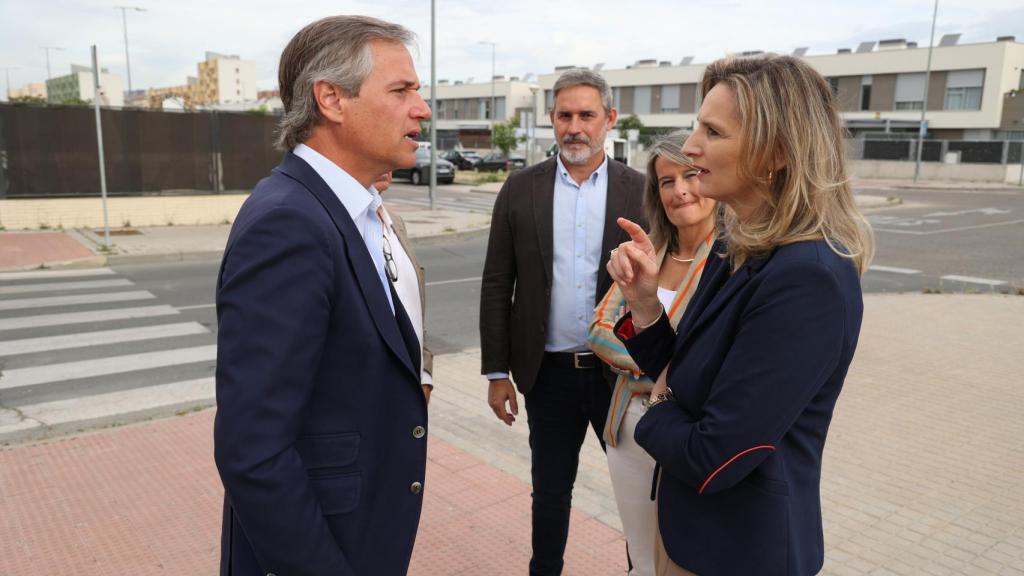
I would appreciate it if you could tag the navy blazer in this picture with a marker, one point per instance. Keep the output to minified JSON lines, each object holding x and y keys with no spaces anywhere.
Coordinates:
{"x":320,"y":429}
{"x":756,"y":368}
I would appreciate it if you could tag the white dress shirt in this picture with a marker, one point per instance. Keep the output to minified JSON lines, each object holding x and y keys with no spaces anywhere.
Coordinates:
{"x":360,"y":203}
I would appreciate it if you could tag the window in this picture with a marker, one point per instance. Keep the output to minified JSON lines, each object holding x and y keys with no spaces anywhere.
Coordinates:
{"x":670,"y":99}
{"x":642,"y":100}
{"x":549,"y":100}
{"x":865,"y":92}
{"x":617,"y":98}
{"x":499,"y":107}
{"x":910,"y":91}
{"x":485,"y":109}
{"x":834,"y":84}
{"x":963,"y":89}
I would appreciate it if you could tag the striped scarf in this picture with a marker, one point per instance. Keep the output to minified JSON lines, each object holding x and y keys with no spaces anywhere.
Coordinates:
{"x":605,"y":344}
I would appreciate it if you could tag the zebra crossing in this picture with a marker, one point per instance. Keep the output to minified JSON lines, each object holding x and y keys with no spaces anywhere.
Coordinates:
{"x":89,"y":347}
{"x":474,"y":202}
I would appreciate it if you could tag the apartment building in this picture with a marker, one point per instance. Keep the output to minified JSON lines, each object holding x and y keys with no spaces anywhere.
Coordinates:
{"x":79,"y":86}
{"x":463,"y":111}
{"x":225,"y":78}
{"x":975,"y":92}
{"x":33,"y":90}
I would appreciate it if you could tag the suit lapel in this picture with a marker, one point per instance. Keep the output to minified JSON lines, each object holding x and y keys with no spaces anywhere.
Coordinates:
{"x":720,"y":289}
{"x":543,"y":196}
{"x":617,"y":204}
{"x":358,"y":255}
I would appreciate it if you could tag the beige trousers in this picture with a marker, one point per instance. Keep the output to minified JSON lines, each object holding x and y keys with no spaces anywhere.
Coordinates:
{"x":663,"y":565}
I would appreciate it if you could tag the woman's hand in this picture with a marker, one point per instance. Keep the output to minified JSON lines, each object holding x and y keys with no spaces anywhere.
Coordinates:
{"x":634,"y":268}
{"x":661,"y":384}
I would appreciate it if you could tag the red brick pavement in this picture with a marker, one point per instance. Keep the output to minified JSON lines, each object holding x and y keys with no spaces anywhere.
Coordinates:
{"x":146,"y":499}
{"x":22,"y":249}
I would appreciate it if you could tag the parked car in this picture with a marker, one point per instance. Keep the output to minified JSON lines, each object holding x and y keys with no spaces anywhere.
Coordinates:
{"x":463,"y":160}
{"x":497,"y":161}
{"x":420,"y":173}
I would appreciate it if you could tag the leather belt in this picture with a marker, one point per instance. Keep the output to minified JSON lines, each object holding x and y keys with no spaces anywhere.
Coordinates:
{"x":575,"y":360}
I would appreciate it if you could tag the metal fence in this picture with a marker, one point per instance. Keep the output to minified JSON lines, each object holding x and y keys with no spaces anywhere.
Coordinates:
{"x":955,"y":151}
{"x":51,"y":151}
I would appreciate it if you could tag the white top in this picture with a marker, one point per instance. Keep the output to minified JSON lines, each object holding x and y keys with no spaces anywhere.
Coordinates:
{"x":666,"y":296}
{"x":407,"y":287}
{"x":360,"y":203}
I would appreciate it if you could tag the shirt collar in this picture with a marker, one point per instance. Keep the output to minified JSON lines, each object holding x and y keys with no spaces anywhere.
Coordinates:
{"x":564,"y":173}
{"x":354,"y":197}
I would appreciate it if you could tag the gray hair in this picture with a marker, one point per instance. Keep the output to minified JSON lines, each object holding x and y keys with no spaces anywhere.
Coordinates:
{"x":335,"y":49}
{"x":584,"y":77}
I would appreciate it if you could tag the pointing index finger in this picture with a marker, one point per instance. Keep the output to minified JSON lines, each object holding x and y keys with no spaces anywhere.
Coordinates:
{"x":636,"y":233}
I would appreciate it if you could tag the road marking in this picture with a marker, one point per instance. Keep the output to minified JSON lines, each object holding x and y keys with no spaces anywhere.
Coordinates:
{"x":86,"y":339}
{"x":456,"y":281}
{"x":64,"y":286}
{"x":105,"y":366}
{"x":985,"y":211}
{"x":944,"y":230}
{"x":52,"y":301}
{"x":45,"y":320}
{"x":196,"y":307}
{"x":50,"y":274}
{"x":113,"y":403}
{"x":893,"y":269}
{"x":973,"y":280}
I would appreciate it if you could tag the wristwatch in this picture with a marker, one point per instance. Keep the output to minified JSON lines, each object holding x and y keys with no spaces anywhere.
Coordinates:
{"x":661,"y":397}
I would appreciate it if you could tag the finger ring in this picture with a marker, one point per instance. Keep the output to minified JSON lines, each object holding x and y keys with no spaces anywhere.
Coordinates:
{"x":612,"y":253}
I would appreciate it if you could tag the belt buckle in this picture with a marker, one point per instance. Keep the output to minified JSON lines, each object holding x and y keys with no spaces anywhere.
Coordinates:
{"x":576,"y":359}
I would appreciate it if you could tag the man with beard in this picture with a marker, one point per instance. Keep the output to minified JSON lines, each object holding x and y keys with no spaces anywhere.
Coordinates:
{"x":552,"y":228}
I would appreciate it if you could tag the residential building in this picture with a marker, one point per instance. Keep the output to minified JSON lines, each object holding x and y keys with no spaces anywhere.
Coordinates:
{"x":974,"y":92}
{"x":463,"y":111}
{"x":224,"y":78}
{"x":34,"y":90}
{"x":78,"y":86}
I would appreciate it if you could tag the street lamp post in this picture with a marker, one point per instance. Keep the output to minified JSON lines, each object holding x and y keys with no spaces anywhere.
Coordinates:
{"x":494,"y":47}
{"x":7,"y":76}
{"x":924,"y":105}
{"x":433,"y":106}
{"x":124,"y":24}
{"x":47,"y":50}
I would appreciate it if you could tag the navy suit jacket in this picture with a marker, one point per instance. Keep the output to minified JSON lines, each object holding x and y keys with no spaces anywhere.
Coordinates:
{"x":317,"y":436}
{"x":756,"y":368}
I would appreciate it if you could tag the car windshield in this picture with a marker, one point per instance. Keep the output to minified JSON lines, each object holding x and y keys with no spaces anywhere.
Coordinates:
{"x":423,"y":154}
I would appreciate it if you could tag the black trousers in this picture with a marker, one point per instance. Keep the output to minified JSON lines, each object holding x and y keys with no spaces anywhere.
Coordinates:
{"x":564,"y":401}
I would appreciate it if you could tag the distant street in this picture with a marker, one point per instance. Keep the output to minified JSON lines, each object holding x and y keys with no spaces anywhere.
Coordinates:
{"x":87,"y":333}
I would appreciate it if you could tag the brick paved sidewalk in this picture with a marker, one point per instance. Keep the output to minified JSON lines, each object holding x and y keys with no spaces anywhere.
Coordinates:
{"x":146,"y":499}
{"x":30,"y":249}
{"x":922,"y":472}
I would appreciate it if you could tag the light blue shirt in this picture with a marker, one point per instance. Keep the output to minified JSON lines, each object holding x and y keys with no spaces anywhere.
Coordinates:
{"x":579,"y":211}
{"x":578,"y":214}
{"x":360,"y":203}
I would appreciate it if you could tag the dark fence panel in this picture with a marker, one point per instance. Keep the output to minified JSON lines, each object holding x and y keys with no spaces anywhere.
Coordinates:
{"x":979,"y":152}
{"x":887,"y":150}
{"x":247,"y":149}
{"x":50,"y":151}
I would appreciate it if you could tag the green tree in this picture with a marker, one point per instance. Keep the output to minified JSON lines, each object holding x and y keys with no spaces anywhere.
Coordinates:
{"x":27,"y":100}
{"x":503,"y":136}
{"x":631,"y":122}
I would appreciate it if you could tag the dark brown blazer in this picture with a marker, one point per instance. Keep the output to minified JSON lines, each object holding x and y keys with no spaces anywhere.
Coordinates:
{"x":398,"y":225}
{"x":515,"y":293}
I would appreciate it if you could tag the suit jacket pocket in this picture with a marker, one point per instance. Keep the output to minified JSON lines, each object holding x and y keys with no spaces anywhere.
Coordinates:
{"x":337,"y":494}
{"x":328,"y":450}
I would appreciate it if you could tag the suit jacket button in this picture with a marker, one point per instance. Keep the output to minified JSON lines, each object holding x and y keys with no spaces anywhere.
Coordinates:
{"x":416,"y":487}
{"x":419,"y":432}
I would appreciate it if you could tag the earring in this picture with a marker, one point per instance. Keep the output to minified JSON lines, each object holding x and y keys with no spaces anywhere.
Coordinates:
{"x":771,"y":177}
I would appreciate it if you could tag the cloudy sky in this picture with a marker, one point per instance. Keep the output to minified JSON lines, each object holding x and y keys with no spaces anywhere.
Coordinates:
{"x":169,"y":38}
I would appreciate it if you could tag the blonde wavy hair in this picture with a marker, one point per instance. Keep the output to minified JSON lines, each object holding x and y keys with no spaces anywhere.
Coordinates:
{"x":789,"y":116}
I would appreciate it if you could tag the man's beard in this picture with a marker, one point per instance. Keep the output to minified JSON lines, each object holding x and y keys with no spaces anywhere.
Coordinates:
{"x":580,"y":157}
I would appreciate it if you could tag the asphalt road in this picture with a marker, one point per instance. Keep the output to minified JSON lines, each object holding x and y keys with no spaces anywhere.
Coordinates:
{"x":935,"y":240}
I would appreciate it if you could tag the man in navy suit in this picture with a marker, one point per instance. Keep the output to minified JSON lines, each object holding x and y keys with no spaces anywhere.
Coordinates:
{"x":320,"y":436}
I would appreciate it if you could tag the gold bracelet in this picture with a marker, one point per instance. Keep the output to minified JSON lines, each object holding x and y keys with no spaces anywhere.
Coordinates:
{"x":655,"y":321}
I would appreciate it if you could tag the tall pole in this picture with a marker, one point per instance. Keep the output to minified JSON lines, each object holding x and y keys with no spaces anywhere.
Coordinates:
{"x":493,"y":111}
{"x":7,"y":76}
{"x":924,"y":106}
{"x":47,"y":50}
{"x":433,"y":104}
{"x":124,"y":24}
{"x":99,"y":144}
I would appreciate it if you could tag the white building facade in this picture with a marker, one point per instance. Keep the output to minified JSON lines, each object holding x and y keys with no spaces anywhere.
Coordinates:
{"x":79,"y":86}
